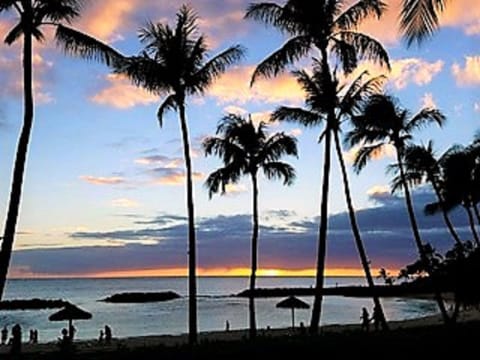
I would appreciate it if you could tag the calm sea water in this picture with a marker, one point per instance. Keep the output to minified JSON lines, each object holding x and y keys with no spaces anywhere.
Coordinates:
{"x":215,"y":305}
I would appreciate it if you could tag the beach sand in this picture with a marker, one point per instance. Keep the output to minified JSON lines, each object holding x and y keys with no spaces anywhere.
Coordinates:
{"x":94,"y":346}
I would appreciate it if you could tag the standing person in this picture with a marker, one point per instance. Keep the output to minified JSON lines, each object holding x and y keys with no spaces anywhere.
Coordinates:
{"x":365,"y":317}
{"x":71,"y":332}
{"x":16,"y":340}
{"x":227,"y":326}
{"x":4,"y":335}
{"x":108,"y":334}
{"x":35,"y":336}
{"x":102,"y":334}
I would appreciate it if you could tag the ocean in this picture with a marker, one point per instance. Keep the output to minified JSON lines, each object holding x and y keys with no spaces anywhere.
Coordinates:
{"x":216,"y":305}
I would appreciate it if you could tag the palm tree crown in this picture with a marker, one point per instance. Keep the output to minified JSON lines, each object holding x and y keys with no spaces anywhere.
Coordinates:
{"x":245,"y":149}
{"x":321,"y":25}
{"x":384,"y":122}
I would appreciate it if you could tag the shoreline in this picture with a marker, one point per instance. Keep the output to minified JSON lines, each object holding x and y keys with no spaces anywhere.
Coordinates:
{"x":152,"y":341}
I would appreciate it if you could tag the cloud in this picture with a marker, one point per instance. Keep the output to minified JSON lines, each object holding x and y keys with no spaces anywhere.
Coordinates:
{"x":428,"y":101}
{"x":464,"y":14}
{"x":235,"y":189}
{"x":286,"y":241}
{"x":125,"y":203}
{"x":234,"y":87}
{"x":295,"y":132}
{"x":237,"y":110}
{"x":12,"y":80}
{"x":165,"y":161}
{"x":172,"y":176}
{"x":120,"y":93}
{"x":476,"y":106}
{"x":386,"y":151}
{"x":413,"y":70}
{"x":99,"y":180}
{"x":469,"y":75}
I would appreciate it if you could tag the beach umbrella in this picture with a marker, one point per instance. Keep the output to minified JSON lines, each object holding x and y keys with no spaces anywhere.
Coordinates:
{"x":70,"y":312}
{"x":293,"y":303}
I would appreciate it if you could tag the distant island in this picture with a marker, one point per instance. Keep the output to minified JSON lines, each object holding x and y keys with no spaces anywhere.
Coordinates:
{"x":141,"y":297}
{"x":32,"y":304}
{"x":405,"y":289}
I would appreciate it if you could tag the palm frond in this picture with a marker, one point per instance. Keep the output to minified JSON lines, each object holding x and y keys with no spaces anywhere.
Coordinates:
{"x":302,"y":116}
{"x":215,"y":67}
{"x":419,"y":19}
{"x":346,"y":54}
{"x":355,"y":14}
{"x":292,"y":50}
{"x":170,"y":103}
{"x":359,"y":91}
{"x":57,"y":10}
{"x":366,"y":47}
{"x":425,"y":117}
{"x":14,"y":34}
{"x":79,"y":44}
{"x":364,"y":155}
{"x":6,"y":5}
{"x":276,"y":146}
{"x":279,"y":170}
{"x":268,"y":13}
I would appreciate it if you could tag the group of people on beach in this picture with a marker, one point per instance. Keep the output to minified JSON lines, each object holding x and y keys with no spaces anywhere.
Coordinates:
{"x":105,"y":335}
{"x":366,"y":320}
{"x":16,"y":339}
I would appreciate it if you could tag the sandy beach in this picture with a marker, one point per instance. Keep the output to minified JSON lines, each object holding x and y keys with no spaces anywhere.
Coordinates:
{"x":140,"y":342}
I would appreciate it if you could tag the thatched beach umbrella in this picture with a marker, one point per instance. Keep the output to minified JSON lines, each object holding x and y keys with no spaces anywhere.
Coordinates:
{"x":293,"y":303}
{"x":70,"y":312}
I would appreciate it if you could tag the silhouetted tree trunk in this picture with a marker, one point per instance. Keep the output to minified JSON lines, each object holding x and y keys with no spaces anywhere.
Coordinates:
{"x":446,"y":218}
{"x":192,"y":263}
{"x":356,"y":233}
{"x":471,"y":221}
{"x":418,"y":240}
{"x":22,"y":150}
{"x":322,"y":237}
{"x":253,"y":276}
{"x":477,"y":213}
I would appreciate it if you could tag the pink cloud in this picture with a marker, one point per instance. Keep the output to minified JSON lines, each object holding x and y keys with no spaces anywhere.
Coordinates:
{"x":120,"y":93}
{"x":234,"y":86}
{"x":176,"y":178}
{"x":99,"y":180}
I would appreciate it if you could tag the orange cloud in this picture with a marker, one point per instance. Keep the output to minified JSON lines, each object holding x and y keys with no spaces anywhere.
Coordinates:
{"x":112,"y":180}
{"x":428,"y":101}
{"x":122,"y":94}
{"x":176,"y":178}
{"x":469,"y":74}
{"x":235,"y":189}
{"x":234,"y":86}
{"x":464,"y":14}
{"x":105,"y":19}
{"x":378,"y":190}
{"x":125,"y":203}
{"x":386,"y":151}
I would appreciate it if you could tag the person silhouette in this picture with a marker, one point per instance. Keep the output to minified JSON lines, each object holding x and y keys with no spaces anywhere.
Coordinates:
{"x":4,"y":335}
{"x":16,"y":339}
{"x":365,"y":317}
{"x":102,"y":334}
{"x":108,"y":334}
{"x":227,"y":326}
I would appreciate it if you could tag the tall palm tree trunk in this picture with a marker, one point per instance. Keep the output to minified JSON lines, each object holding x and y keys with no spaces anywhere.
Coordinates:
{"x":418,"y":241}
{"x":192,"y":261}
{"x":356,"y":233}
{"x":446,"y":218}
{"x":253,"y":276}
{"x":21,"y":155}
{"x":471,"y":221}
{"x":322,"y":236}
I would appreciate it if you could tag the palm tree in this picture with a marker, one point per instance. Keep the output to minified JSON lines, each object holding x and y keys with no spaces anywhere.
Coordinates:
{"x":244,"y":150}
{"x":173,"y":64}
{"x":422,"y":166}
{"x":419,"y":19}
{"x":32,"y":16}
{"x":346,"y":102}
{"x":320,"y":25}
{"x":458,"y":168}
{"x":383,"y":122}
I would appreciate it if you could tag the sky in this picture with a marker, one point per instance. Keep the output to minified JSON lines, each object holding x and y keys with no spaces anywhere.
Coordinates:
{"x":104,"y":187}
